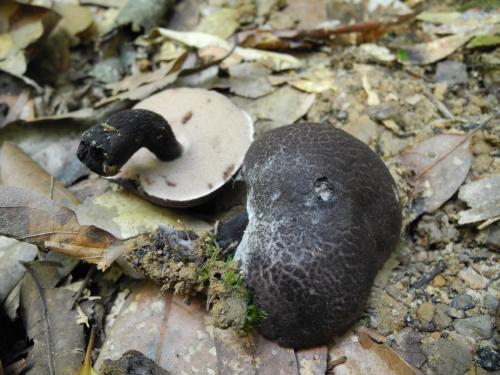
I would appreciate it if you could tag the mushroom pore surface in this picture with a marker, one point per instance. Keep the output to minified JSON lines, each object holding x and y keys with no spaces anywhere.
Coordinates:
{"x":323,"y":217}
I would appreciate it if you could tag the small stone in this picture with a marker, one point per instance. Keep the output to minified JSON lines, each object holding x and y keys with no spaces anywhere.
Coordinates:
{"x":491,"y":303}
{"x":455,"y":313}
{"x":463,"y":302}
{"x":448,"y":357}
{"x":488,"y":358}
{"x":439,"y":281}
{"x":473,"y":279}
{"x":451,"y":72}
{"x":410,"y":347}
{"x":441,"y":318}
{"x":476,"y":326}
{"x":426,"y":311}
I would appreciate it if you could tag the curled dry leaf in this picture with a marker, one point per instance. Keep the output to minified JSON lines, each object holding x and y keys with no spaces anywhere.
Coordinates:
{"x":275,"y":61}
{"x":33,"y":218}
{"x":440,"y":165}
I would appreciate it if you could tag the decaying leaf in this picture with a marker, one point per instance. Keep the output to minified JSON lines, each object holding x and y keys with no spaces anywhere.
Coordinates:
{"x":18,"y":169}
{"x":166,"y":330}
{"x":440,"y":165}
{"x":427,"y":53}
{"x":483,"y":196}
{"x":126,"y":215}
{"x":86,"y":368}
{"x":25,"y":25}
{"x":249,"y":80}
{"x":58,"y":340}
{"x":52,"y":143}
{"x":282,"y":107}
{"x":31,"y":217}
{"x":275,"y":61}
{"x":13,"y":252}
{"x":364,"y":356}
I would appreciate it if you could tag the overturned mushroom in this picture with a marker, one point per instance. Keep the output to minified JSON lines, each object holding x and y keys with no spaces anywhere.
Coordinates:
{"x":323,"y":217}
{"x":175,"y":148}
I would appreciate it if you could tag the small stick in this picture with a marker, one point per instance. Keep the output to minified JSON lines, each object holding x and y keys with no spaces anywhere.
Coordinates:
{"x":426,"y":279}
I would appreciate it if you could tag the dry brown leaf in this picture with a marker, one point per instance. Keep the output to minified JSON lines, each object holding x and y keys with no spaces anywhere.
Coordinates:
{"x":164,"y":329}
{"x":25,"y":25}
{"x":440,"y":164}
{"x":427,"y":53}
{"x":365,"y":356}
{"x":33,"y":218}
{"x":18,"y":169}
{"x":58,"y":340}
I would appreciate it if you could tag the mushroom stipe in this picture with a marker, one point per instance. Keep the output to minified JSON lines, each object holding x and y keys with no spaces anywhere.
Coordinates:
{"x":105,"y":148}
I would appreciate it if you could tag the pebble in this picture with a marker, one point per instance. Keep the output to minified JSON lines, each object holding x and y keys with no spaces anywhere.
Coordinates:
{"x":476,"y":326}
{"x":409,"y":347}
{"x":441,"y":318}
{"x":462,"y":302}
{"x":488,"y":358}
{"x":473,"y":279}
{"x":448,"y":357}
{"x":491,"y":304}
{"x":439,"y":281}
{"x":426,"y":311}
{"x":455,"y":313}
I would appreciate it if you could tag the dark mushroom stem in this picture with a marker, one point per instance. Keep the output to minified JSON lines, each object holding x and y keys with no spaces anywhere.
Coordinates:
{"x":106,"y":147}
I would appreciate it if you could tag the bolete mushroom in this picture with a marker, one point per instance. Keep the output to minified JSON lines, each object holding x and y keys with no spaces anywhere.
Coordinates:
{"x":324,"y":215}
{"x":176,"y":148}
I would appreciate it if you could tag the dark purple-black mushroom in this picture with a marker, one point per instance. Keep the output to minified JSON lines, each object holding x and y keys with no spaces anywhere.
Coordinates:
{"x":324,"y":215}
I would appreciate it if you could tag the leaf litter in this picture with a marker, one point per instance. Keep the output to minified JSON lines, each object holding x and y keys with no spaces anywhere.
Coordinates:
{"x":372,"y":70}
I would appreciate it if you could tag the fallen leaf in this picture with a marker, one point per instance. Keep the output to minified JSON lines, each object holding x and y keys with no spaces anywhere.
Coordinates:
{"x":249,"y":80}
{"x":75,"y":19}
{"x":18,"y":169}
{"x":488,"y":40}
{"x":483,"y":196}
{"x":365,"y":356}
{"x":163,"y":328}
{"x":86,"y":368}
{"x":440,"y":164}
{"x":25,"y":26}
{"x":275,"y":61}
{"x":282,"y":107}
{"x":438,"y":17}
{"x":430,"y":52}
{"x":58,"y":340}
{"x":52,"y":142}
{"x":125,"y":215}
{"x":12,"y":252}
{"x":221,"y":23}
{"x":315,"y":80}
{"x":33,"y":218}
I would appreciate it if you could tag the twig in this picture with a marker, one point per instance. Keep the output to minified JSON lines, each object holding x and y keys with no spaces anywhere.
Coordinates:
{"x":45,"y":318}
{"x":426,"y":279}
{"x":82,"y":287}
{"x":334,"y":363}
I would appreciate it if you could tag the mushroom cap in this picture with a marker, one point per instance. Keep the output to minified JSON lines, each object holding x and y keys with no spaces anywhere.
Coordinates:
{"x":324,"y":215}
{"x":214,"y":135}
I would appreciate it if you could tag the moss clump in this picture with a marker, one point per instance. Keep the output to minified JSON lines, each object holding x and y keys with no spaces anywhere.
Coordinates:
{"x":187,"y":265}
